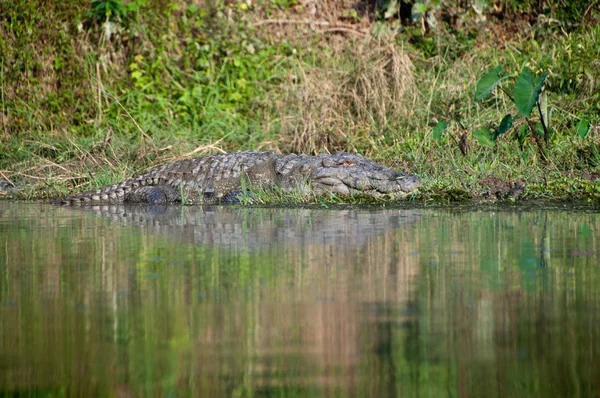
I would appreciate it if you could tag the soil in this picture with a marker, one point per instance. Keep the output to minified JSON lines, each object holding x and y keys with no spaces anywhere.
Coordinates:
{"x":493,"y":188}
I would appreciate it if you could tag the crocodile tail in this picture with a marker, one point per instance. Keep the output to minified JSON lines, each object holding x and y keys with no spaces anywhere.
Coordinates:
{"x":114,"y":193}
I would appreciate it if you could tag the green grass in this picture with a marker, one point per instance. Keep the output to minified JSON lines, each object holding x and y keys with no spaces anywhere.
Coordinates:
{"x":81,"y":108}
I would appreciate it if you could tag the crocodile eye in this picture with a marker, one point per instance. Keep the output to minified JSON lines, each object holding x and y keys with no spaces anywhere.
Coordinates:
{"x":347,"y":163}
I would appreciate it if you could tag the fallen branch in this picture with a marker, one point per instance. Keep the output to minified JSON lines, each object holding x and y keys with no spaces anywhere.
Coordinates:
{"x":334,"y":28}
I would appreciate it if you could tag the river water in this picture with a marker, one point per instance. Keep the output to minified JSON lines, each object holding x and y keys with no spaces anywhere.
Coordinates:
{"x":229,"y":301}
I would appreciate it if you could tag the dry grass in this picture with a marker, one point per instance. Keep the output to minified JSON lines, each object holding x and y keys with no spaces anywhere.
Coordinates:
{"x":331,"y":107}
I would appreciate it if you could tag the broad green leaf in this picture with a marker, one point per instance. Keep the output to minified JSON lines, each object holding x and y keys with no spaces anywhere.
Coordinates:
{"x":439,"y":128}
{"x":505,"y":125}
{"x":527,"y":90}
{"x":583,"y":128}
{"x":484,"y":136}
{"x":488,"y":82}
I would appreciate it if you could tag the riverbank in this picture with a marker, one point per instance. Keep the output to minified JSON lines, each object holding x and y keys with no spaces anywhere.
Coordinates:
{"x":102,"y":93}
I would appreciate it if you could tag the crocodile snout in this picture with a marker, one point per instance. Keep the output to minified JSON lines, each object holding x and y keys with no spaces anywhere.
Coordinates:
{"x":408,"y":183}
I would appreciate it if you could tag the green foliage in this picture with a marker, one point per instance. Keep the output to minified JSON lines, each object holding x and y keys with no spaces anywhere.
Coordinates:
{"x":219,"y":81}
{"x":526,"y":96}
{"x":571,"y":57}
{"x":583,"y":128}
{"x":484,"y":137}
{"x":569,"y":13}
{"x":488,"y":83}
{"x":102,"y":10}
{"x":113,"y":10}
{"x":505,"y":125}
{"x":527,"y":91}
{"x":284,"y":3}
{"x":439,"y":129}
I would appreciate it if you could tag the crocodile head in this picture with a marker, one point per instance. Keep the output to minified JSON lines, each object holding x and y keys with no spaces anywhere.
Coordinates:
{"x":350,"y":173}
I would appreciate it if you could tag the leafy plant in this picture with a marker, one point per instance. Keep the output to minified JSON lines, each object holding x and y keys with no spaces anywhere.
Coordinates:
{"x":526,"y":96}
{"x":106,"y":10}
{"x":112,"y":10}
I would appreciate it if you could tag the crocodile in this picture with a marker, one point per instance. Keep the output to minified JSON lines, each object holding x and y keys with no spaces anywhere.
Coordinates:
{"x":221,"y":178}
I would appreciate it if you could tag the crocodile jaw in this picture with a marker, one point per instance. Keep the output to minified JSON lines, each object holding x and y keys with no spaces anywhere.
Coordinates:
{"x":350,"y":173}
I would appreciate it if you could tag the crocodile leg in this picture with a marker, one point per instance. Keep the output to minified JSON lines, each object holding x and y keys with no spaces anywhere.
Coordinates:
{"x":157,"y":194}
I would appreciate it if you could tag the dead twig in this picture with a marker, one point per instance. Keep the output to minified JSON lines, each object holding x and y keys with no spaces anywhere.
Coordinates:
{"x":19,"y":173}
{"x":53,"y":164}
{"x":204,"y":148}
{"x":345,"y":30}
{"x":332,"y":28}
{"x":201,"y":149}
{"x":42,"y":144}
{"x":4,"y":177}
{"x":298,"y":21}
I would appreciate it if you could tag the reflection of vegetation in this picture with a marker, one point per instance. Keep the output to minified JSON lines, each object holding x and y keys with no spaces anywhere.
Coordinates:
{"x":484,"y":302}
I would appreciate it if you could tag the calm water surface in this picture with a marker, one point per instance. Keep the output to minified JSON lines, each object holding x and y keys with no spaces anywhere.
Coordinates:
{"x":224,"y":301}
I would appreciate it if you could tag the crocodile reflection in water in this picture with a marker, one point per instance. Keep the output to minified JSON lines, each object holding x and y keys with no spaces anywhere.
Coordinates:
{"x":259,"y":228}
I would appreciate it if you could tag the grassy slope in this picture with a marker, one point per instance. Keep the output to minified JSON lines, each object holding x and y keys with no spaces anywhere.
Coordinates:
{"x":85,"y":103}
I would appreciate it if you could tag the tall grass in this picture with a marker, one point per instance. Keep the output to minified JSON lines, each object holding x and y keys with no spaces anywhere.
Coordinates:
{"x":345,"y":99}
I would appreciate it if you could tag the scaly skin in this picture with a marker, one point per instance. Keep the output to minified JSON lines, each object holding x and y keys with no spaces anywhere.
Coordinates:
{"x":218,"y":178}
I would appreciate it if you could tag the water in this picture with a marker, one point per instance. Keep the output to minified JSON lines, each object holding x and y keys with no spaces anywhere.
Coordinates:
{"x":223,"y":301}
